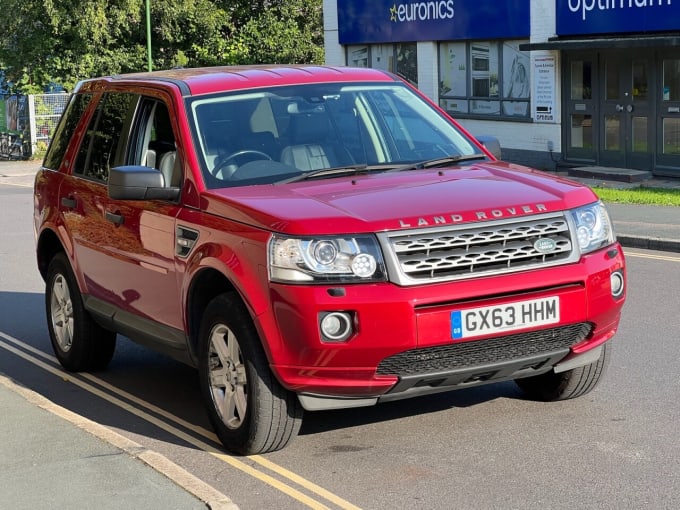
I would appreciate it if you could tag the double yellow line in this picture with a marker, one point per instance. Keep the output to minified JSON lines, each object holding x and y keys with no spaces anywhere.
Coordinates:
{"x":651,"y":256}
{"x":319,"y":501}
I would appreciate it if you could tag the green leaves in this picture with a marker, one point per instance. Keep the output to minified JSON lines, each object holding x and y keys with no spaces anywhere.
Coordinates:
{"x":64,"y":42}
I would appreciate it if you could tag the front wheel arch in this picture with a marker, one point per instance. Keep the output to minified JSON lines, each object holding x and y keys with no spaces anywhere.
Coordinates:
{"x":205,"y":286}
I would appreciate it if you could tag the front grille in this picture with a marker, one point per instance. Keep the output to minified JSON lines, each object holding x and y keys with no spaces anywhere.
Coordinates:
{"x":421,"y":256}
{"x":483,"y":352}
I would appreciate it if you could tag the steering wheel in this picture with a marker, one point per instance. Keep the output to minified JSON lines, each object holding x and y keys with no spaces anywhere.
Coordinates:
{"x":226,"y":167}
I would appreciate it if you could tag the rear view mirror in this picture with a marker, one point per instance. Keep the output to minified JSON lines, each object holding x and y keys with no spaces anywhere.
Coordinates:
{"x":139,"y":183}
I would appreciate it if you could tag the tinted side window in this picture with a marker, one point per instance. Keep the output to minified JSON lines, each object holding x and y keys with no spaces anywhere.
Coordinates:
{"x":104,"y":144}
{"x":67,"y":126}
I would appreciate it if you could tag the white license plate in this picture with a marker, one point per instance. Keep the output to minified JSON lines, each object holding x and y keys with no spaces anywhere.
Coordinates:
{"x":486,"y":320}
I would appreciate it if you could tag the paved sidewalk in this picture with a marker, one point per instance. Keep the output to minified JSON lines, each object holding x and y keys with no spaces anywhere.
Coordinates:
{"x":86,"y":465}
{"x":647,"y":226}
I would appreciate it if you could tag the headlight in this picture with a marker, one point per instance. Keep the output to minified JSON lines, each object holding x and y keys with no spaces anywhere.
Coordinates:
{"x":593,"y":227}
{"x":325,"y":260}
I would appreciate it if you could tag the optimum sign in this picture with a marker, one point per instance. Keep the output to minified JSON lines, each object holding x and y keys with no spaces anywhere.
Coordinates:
{"x":580,"y":17}
{"x":388,"y":21}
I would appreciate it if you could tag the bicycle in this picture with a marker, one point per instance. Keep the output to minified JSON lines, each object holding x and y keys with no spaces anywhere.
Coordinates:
{"x":12,"y":146}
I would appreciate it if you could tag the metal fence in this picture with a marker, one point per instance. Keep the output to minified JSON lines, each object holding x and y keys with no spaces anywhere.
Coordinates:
{"x":27,"y":123}
{"x":45,"y":112}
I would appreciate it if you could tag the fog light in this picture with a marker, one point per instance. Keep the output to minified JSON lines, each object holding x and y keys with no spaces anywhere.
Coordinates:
{"x":617,"y":283}
{"x":336,"y":326}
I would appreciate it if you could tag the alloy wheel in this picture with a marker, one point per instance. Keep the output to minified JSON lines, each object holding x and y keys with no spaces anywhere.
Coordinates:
{"x":228,"y":380}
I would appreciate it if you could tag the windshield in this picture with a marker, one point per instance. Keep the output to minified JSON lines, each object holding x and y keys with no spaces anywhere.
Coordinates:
{"x":276,"y":134}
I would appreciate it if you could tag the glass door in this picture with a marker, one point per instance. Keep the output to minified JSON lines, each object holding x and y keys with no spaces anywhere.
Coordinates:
{"x":668,"y":123}
{"x":627,"y":124}
{"x":579,"y":123}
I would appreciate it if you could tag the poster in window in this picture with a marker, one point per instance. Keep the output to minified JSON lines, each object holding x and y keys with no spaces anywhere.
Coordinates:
{"x":515,"y":72}
{"x":452,"y":69}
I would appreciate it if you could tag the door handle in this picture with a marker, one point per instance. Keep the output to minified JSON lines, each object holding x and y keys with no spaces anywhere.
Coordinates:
{"x":114,"y":218}
{"x":629,"y":108}
{"x":69,"y":202}
{"x":619,"y":108}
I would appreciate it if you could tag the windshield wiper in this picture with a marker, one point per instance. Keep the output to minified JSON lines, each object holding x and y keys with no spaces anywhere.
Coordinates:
{"x":324,"y":172}
{"x":434,"y":163}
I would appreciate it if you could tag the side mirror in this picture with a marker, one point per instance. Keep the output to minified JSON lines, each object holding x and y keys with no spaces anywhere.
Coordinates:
{"x":139,"y":183}
{"x":491,"y":143}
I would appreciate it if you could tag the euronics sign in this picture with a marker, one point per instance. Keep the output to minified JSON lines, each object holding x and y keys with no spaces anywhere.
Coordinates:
{"x":581,"y":17}
{"x":386,"y":21}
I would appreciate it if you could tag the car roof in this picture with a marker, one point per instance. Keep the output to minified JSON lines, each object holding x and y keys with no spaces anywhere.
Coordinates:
{"x":207,"y":80}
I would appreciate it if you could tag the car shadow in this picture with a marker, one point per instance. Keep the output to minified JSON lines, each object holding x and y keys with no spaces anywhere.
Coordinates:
{"x":165,"y":389}
{"x":319,"y":422}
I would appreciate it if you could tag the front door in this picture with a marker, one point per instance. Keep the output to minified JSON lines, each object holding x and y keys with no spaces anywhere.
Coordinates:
{"x":626,"y":120}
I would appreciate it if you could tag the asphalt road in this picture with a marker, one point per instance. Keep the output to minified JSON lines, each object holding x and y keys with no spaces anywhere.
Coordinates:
{"x":480,"y":448}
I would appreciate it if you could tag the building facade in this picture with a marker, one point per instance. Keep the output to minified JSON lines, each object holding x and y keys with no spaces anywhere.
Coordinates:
{"x":572,"y":82}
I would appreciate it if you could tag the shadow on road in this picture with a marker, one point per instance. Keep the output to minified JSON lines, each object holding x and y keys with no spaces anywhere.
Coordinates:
{"x":166,"y":384}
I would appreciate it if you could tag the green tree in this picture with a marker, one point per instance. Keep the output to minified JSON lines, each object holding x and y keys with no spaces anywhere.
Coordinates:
{"x":283,"y":31}
{"x":64,"y":41}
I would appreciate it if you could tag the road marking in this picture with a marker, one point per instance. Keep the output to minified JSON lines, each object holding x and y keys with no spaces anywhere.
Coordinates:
{"x":209,"y":435}
{"x":652,"y":256}
{"x":16,"y":184}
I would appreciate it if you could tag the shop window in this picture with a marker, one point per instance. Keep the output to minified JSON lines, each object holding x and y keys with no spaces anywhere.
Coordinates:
{"x":400,"y":59}
{"x":407,"y":62}
{"x":484,"y":78}
{"x":357,"y":56}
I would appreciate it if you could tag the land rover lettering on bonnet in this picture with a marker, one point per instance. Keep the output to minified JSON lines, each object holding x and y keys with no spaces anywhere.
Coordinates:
{"x":314,"y":238}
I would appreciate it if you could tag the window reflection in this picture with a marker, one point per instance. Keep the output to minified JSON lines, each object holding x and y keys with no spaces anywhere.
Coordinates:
{"x":582,"y":131}
{"x":671,"y":80}
{"x":581,"y":80}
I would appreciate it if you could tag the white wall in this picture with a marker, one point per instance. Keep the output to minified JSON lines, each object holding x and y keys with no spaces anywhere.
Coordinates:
{"x":516,"y":135}
{"x":335,"y":54}
{"x":543,"y":27}
{"x":428,"y":75}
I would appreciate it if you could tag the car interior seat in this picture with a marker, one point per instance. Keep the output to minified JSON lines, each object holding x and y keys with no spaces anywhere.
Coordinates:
{"x":310,"y":145}
{"x":169,"y":167}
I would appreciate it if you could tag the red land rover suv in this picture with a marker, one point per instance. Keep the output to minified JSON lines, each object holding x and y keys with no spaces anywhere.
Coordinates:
{"x":314,"y":238}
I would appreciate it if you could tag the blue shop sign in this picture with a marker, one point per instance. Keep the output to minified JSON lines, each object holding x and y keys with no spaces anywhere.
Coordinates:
{"x":585,"y":17}
{"x":387,"y":21}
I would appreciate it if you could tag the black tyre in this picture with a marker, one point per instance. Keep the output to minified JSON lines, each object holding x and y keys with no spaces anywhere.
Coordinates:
{"x":573,"y":383}
{"x":248,"y":408}
{"x":79,"y":343}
